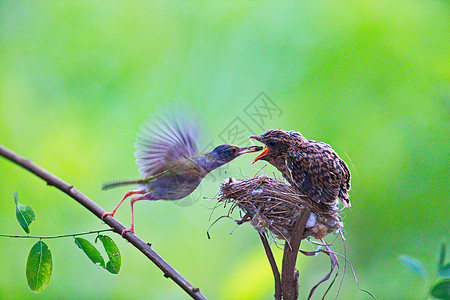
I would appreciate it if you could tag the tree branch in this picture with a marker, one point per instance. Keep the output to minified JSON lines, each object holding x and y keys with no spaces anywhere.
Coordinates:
{"x":289,"y":277}
{"x":273,"y":265}
{"x":70,"y":190}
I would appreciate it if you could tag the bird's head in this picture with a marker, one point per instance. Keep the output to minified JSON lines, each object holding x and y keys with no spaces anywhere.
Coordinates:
{"x":226,"y":153}
{"x":276,"y":143}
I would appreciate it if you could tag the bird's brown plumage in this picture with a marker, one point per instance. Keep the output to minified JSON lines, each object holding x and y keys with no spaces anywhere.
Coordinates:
{"x":312,"y":166}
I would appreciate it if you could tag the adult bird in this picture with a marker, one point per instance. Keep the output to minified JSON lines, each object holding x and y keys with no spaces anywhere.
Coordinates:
{"x":311,"y":166}
{"x":170,"y":163}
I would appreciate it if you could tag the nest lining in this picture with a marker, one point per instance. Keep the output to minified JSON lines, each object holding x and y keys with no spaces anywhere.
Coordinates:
{"x":274,"y":205}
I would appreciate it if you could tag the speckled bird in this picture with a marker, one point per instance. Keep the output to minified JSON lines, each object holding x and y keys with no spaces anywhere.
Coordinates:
{"x":311,"y":166}
{"x":169,"y":161}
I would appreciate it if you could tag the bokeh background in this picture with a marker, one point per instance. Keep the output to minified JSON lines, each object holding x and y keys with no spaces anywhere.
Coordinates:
{"x":371,"y":78}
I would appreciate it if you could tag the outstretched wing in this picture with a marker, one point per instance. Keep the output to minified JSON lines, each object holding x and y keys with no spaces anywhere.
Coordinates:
{"x":162,"y":140}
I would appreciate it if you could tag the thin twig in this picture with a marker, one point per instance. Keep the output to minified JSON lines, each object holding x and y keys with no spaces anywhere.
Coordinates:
{"x":289,"y":277}
{"x":54,"y":236}
{"x":273,"y":265}
{"x":70,"y":190}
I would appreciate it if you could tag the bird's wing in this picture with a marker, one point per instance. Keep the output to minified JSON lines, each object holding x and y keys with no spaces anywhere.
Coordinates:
{"x":165,"y":139}
{"x":345,"y":174}
{"x":301,"y":168}
{"x":345,"y":186}
{"x":312,"y":174}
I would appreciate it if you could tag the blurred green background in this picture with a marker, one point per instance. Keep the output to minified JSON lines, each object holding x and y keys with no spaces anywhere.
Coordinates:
{"x":371,"y":78}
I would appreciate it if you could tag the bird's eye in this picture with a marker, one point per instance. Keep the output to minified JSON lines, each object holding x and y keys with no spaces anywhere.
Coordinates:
{"x":234,"y":150}
{"x":272,"y":143}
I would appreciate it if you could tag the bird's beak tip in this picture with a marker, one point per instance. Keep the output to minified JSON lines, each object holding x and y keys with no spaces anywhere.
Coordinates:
{"x":255,"y":137}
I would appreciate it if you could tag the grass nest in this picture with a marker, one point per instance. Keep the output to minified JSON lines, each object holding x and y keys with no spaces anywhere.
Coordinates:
{"x":274,"y":205}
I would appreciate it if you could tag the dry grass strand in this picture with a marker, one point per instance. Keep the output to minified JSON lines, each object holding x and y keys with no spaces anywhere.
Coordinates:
{"x":274,"y":205}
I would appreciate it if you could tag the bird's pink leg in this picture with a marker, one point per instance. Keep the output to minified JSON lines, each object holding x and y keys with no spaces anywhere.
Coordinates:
{"x":134,"y":199}
{"x":120,"y":203}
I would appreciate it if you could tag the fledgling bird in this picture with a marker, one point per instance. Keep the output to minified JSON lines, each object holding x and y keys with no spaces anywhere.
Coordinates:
{"x":169,"y":161}
{"x":311,"y":166}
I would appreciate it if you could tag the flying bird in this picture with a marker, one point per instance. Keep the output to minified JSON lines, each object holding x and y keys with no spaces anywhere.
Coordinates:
{"x":169,"y":161}
{"x":311,"y":166}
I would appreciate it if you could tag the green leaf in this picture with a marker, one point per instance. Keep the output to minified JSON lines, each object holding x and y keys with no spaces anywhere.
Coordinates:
{"x":413,"y":265}
{"x":441,"y":256}
{"x":39,"y":267}
{"x":441,"y":289}
{"x":24,"y":214}
{"x":444,"y":271}
{"x":113,"y":253}
{"x":91,"y":252}
{"x":16,"y":198}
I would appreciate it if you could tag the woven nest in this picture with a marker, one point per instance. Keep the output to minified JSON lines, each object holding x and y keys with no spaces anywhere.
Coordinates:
{"x":274,"y":205}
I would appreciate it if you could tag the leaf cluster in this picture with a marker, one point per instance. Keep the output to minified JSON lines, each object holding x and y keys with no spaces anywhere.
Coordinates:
{"x":440,"y":287}
{"x":39,"y":263}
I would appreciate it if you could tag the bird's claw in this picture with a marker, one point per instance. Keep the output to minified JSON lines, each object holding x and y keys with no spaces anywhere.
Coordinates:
{"x":107,"y":214}
{"x":127,"y":230}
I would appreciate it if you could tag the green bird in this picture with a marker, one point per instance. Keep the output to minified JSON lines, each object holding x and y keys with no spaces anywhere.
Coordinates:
{"x":170,"y":163}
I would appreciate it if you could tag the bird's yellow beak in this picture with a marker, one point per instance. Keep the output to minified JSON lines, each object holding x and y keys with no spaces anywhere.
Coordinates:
{"x":261,"y":154}
{"x":250,"y":149}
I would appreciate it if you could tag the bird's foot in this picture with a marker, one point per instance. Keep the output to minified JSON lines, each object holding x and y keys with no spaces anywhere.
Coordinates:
{"x":108,"y":214}
{"x":131,"y":229}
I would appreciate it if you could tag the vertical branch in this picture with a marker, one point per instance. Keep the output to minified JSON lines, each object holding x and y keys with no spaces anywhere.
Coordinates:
{"x":289,"y":277}
{"x":273,"y":265}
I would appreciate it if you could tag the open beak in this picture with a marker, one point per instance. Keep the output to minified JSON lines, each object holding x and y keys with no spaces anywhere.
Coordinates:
{"x":265,"y":151}
{"x":250,"y":149}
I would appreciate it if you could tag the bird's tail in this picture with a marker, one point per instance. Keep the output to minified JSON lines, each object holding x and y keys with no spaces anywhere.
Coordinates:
{"x":126,"y":182}
{"x":138,"y":181}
